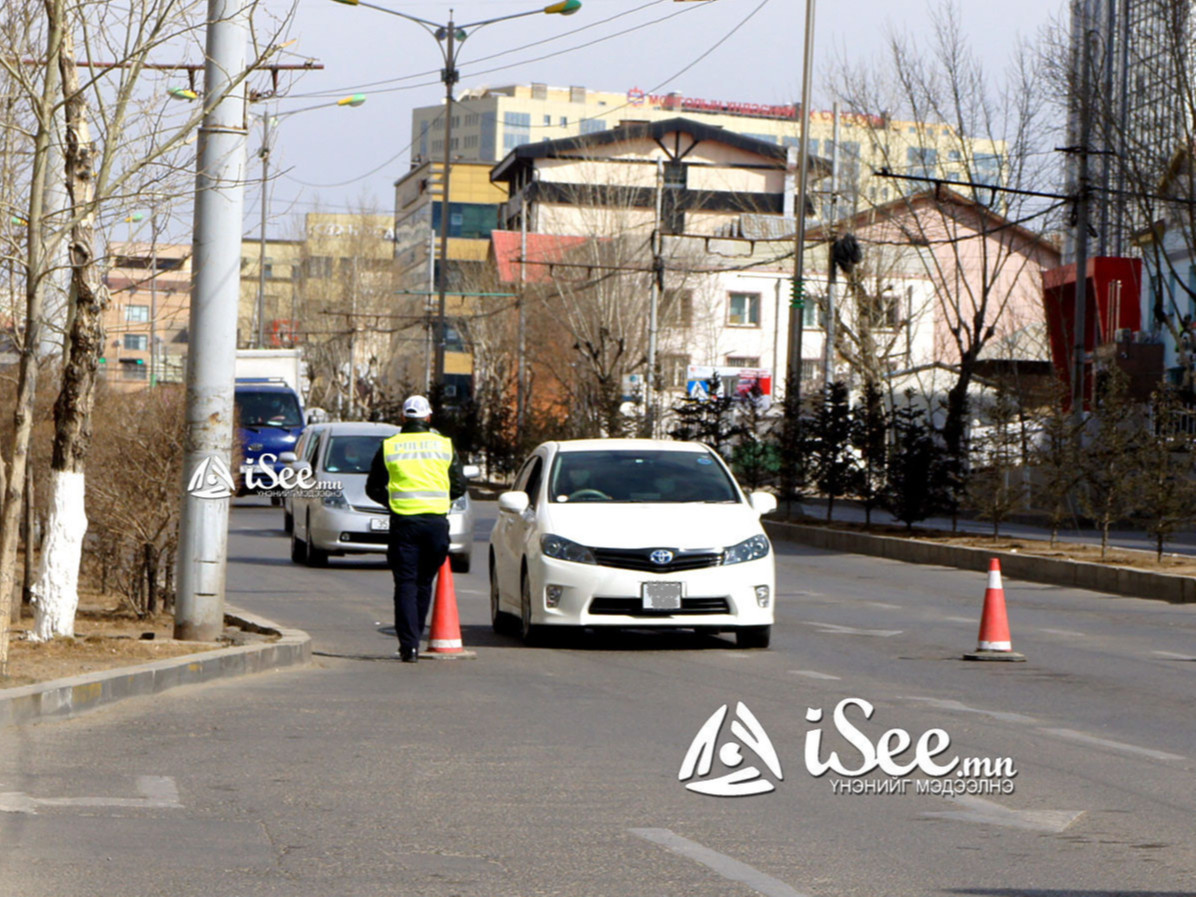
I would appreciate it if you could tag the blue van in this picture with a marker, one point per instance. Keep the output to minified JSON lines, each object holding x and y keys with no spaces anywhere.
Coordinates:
{"x":269,"y":419}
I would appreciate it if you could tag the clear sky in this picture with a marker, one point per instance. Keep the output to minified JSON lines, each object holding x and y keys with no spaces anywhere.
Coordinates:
{"x":339,"y":159}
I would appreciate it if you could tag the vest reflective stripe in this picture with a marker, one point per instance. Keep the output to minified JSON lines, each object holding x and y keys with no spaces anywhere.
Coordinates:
{"x":417,"y":465}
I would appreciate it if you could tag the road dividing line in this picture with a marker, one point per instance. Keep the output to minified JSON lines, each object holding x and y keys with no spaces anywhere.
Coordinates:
{"x":1081,"y":737}
{"x":985,"y":812}
{"x":1173,"y":655}
{"x":814,"y":674}
{"x":157,"y":793}
{"x":728,"y":868}
{"x":836,"y":629}
{"x":970,"y":620}
{"x":1065,"y":632}
{"x":948,"y":704}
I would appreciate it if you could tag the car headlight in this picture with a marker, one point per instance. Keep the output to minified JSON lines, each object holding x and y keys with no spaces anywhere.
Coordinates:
{"x":336,"y":500}
{"x":459,"y":503}
{"x":748,"y":550}
{"x":565,"y":550}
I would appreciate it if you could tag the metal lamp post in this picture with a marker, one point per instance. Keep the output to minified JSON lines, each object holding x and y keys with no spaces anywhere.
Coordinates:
{"x":449,"y":37}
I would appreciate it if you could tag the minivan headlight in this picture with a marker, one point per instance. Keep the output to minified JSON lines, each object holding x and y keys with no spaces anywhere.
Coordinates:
{"x":459,"y":503}
{"x":565,"y":550}
{"x":748,"y":550}
{"x":336,"y":500}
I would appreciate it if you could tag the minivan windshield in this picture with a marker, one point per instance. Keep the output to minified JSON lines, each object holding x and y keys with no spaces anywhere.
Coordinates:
{"x":639,"y":476}
{"x":351,"y":454}
{"x":268,"y":409}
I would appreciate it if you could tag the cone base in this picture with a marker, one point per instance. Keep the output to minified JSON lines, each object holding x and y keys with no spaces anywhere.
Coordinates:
{"x":455,"y":655}
{"x":1009,"y":656}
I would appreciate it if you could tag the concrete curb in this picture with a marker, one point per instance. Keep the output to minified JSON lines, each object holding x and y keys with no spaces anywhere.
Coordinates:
{"x":1051,"y":571}
{"x":64,"y":698}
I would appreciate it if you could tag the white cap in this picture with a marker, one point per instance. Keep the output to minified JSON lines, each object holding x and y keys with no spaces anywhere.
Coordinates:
{"x":417,"y":406}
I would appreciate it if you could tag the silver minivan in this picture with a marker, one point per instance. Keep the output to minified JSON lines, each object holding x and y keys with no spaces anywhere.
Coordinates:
{"x":345,"y":520}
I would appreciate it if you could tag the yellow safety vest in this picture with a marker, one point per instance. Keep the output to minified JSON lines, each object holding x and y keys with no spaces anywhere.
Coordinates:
{"x":418,"y":467}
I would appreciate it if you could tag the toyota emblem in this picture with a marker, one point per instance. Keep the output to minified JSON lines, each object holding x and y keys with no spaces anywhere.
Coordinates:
{"x":661,"y":556}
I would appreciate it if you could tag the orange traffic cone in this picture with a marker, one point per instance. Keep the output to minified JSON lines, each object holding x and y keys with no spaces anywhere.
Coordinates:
{"x":994,"y":643}
{"x":444,"y":637}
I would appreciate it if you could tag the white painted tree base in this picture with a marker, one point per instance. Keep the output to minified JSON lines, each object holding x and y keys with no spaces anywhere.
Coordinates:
{"x":56,"y":593}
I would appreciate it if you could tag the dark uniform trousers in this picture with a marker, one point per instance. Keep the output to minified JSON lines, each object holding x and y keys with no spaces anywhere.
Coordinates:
{"x":418,"y":545}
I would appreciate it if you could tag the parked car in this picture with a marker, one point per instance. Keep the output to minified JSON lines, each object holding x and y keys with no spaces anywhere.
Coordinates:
{"x":631,"y":533}
{"x":346,"y":520}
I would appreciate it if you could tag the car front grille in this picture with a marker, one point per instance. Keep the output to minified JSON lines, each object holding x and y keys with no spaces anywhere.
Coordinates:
{"x":365,"y":538}
{"x":641,"y":559}
{"x":634,"y":607}
{"x":370,"y":509}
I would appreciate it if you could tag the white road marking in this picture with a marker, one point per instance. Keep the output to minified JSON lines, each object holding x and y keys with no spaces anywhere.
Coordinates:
{"x":1173,"y":655}
{"x":814,"y":674}
{"x":1067,"y":632}
{"x":471,"y":591}
{"x":972,"y":620}
{"x":883,"y":605}
{"x":948,"y":704}
{"x":1073,"y":735}
{"x":157,"y":792}
{"x":976,"y":809}
{"x":728,"y":868}
{"x":836,"y":629}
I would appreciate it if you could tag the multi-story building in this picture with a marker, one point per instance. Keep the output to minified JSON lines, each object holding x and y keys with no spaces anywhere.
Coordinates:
{"x":145,"y":324}
{"x":474,"y":202}
{"x":278,"y":289}
{"x":489,"y":122}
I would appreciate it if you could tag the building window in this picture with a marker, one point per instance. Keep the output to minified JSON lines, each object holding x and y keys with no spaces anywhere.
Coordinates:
{"x":131,"y":369}
{"x":136,"y":314}
{"x":471,"y":220}
{"x":317,"y":266}
{"x":743,"y":361}
{"x":676,"y":308}
{"x":136,"y":341}
{"x":471,"y":120}
{"x":743,"y":309}
{"x":592,"y":125}
{"x":564,"y":121}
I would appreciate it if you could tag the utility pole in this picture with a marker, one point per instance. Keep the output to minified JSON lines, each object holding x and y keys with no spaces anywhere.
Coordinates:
{"x":449,"y":76}
{"x":654,"y":304}
{"x":207,"y":451}
{"x":264,"y":153}
{"x":1079,"y":356}
{"x":796,"y":312}
{"x":828,"y":353}
{"x":521,"y":376}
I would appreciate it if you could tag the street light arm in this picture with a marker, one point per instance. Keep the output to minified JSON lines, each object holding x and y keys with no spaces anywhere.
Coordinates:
{"x":565,"y":8}
{"x":402,"y":15}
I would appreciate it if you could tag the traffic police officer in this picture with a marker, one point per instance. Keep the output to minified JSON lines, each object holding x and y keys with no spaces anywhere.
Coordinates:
{"x":417,"y":475}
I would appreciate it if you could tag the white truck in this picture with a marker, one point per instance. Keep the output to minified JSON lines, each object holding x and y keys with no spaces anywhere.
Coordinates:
{"x":273,"y":364}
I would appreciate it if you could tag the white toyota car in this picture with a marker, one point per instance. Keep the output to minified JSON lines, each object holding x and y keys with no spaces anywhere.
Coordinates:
{"x":631,"y":533}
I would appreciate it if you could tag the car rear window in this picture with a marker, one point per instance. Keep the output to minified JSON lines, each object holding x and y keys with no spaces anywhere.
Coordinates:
{"x":639,"y":476}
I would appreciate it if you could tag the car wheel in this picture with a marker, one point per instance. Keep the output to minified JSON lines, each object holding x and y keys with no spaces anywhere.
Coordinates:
{"x":500,"y":620}
{"x":315,"y":557}
{"x":531,"y":634}
{"x":288,"y":522}
{"x":298,"y":547}
{"x":460,"y":563}
{"x":753,"y":636}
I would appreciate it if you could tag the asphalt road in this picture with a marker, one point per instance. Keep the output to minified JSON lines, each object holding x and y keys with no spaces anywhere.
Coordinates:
{"x":554,"y":771}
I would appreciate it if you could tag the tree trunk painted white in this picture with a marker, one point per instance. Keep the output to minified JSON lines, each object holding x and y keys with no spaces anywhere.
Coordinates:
{"x":56,"y":595}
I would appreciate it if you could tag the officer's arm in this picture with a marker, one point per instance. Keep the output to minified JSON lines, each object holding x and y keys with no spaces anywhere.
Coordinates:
{"x":458,"y":485}
{"x":377,"y":485}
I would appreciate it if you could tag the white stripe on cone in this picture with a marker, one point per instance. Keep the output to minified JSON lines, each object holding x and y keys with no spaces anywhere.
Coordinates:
{"x":994,"y":580}
{"x":445,"y":643}
{"x":996,"y":646}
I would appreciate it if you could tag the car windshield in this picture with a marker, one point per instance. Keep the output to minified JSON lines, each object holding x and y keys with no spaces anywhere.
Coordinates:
{"x":351,"y":454}
{"x":268,"y":409}
{"x":639,"y":476}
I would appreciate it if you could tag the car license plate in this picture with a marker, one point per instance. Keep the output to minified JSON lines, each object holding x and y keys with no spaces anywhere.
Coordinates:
{"x":661,"y":595}
{"x":380,"y":524}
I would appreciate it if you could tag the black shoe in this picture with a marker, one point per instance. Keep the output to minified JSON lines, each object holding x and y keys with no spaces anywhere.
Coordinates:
{"x":409,"y":655}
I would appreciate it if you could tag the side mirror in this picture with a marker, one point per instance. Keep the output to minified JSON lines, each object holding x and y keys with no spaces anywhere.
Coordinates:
{"x":763,"y":502}
{"x":287,"y":458}
{"x":471,"y":471}
{"x":514,"y":502}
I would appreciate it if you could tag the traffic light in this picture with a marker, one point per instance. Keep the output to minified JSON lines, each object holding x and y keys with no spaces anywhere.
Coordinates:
{"x":797,"y":294}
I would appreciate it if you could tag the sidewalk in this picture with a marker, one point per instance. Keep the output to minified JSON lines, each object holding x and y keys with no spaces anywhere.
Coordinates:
{"x":63,"y":698}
